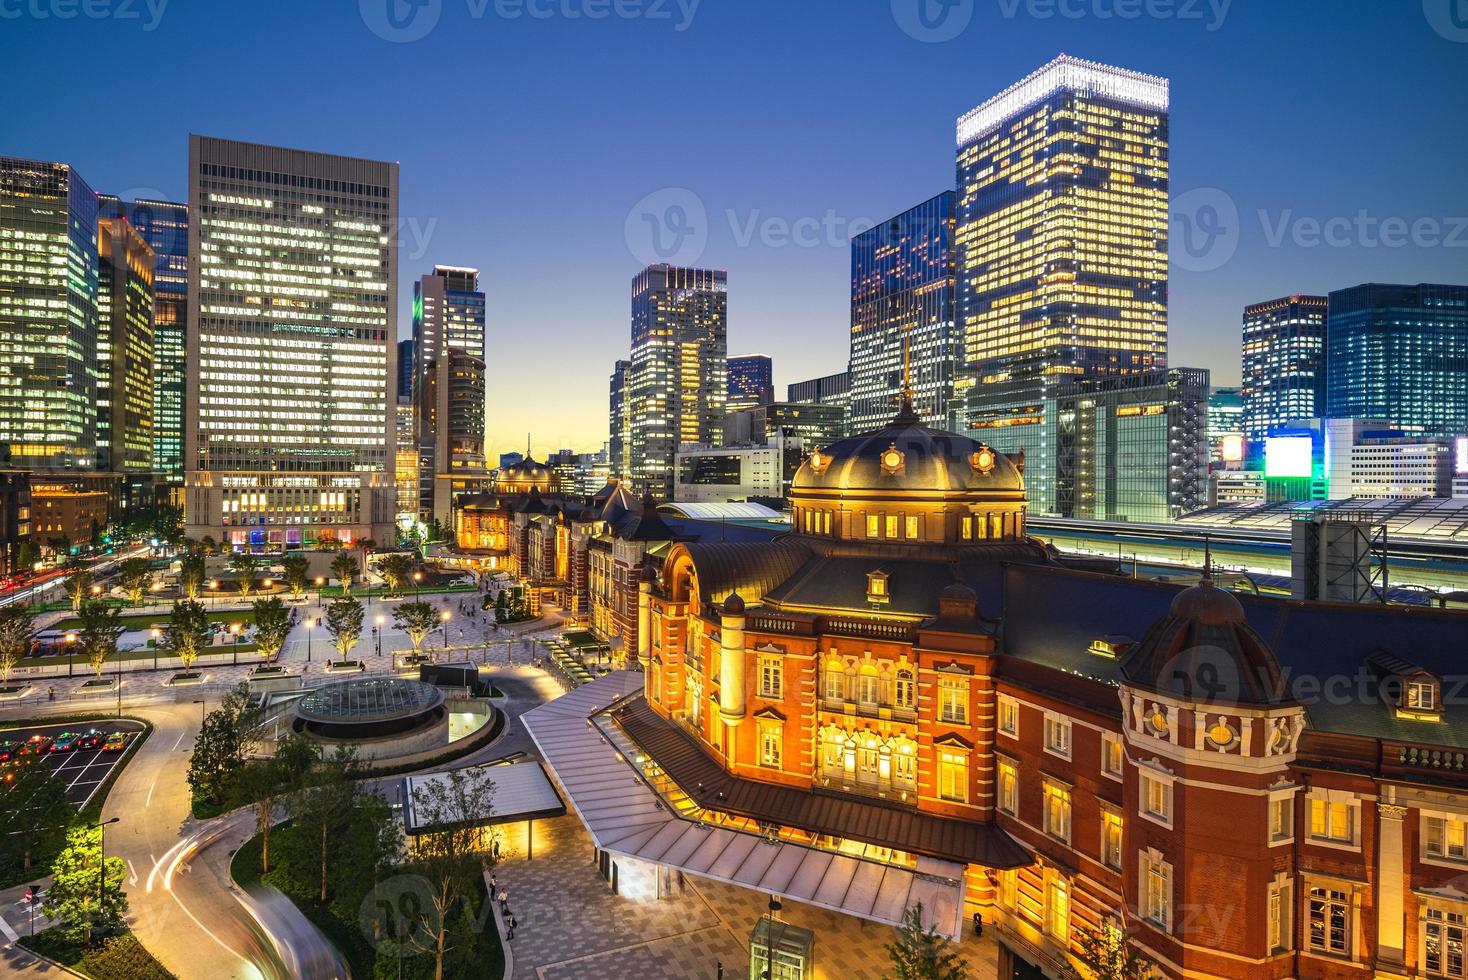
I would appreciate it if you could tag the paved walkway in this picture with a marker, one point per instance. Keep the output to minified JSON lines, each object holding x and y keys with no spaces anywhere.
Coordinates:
{"x":569,"y":926}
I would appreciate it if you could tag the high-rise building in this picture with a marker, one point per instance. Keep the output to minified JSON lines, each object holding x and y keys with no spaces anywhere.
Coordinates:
{"x":902,"y":322}
{"x":293,"y":317}
{"x":448,"y":341}
{"x":124,"y":348}
{"x":1284,"y":364}
{"x":1399,"y":353}
{"x":164,"y":225}
{"x":406,"y":359}
{"x":1062,"y":225}
{"x":1225,"y":426}
{"x":620,"y":440}
{"x":48,"y":316}
{"x":406,"y":448}
{"x":678,"y":386}
{"x":817,"y":426}
{"x":833,"y":389}
{"x":751,"y":382}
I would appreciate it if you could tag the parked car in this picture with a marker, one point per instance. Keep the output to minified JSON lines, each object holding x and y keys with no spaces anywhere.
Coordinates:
{"x":116,"y":742}
{"x":65,"y":742}
{"x":7,"y":750}
{"x":35,"y":745}
{"x":91,"y":739}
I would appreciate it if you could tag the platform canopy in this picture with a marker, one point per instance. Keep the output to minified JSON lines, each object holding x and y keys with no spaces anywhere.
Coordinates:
{"x":521,"y":792}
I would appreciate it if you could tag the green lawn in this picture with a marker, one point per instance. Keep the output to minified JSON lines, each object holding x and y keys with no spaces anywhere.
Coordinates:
{"x":115,"y":958}
{"x":244,"y":617}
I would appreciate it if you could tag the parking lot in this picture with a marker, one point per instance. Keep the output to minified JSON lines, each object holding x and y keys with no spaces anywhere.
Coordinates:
{"x":81,"y":770}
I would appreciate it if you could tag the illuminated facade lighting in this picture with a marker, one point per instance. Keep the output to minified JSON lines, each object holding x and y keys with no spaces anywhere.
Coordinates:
{"x":293,"y":296}
{"x":1284,"y":364}
{"x":449,"y":354}
{"x":124,"y":348}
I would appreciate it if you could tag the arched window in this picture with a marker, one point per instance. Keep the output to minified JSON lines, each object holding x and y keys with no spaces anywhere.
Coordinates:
{"x":835,"y":685}
{"x":867,"y":685}
{"x":904,"y":693}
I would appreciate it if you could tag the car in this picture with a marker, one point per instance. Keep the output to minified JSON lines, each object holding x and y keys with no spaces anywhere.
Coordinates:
{"x":91,"y":739}
{"x":65,"y":742}
{"x":116,"y":742}
{"x":35,"y":745}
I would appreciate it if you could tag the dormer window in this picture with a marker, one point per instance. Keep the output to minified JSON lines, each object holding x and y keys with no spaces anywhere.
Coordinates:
{"x":1421,"y":694}
{"x":878,"y":587}
{"x":1418,"y":691}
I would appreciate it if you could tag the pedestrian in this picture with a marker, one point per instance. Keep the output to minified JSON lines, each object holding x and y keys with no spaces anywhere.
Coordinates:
{"x":504,"y":900}
{"x":512,"y":925}
{"x":978,"y":925}
{"x":50,"y":694}
{"x":493,"y":883}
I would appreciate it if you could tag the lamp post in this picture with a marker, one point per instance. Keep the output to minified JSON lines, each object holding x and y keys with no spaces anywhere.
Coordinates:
{"x":417,"y":585}
{"x":234,"y":631}
{"x":310,"y":625}
{"x":320,"y":585}
{"x":214,"y":587}
{"x":119,"y":682}
{"x":377,"y":634}
{"x":102,"y":854}
{"x":769,"y":969}
{"x":445,"y":616}
{"x":70,"y":642}
{"x":155,"y":633}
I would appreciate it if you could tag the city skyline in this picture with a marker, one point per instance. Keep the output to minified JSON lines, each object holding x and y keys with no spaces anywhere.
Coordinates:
{"x":794,"y":301}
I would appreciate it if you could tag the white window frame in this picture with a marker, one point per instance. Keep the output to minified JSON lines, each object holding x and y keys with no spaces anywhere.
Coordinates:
{"x":1440,"y":825}
{"x":1007,"y":797}
{"x":953,"y":700}
{"x":1147,"y":778}
{"x":1156,"y":906}
{"x":1057,"y":813}
{"x":771,"y":733}
{"x":1110,"y":741}
{"x":904,"y":689}
{"x":1112,"y":820}
{"x":1331,"y":800}
{"x":1281,"y":817}
{"x":1057,"y":909}
{"x":1330,"y":897}
{"x":835,"y":678}
{"x":771,"y":666}
{"x":1446,"y":925}
{"x":1058,"y":734}
{"x":1007,"y":718}
{"x":946,"y":764}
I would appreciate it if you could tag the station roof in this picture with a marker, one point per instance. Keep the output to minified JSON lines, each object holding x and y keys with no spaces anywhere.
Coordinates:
{"x":521,"y":792}
{"x":1425,"y":518}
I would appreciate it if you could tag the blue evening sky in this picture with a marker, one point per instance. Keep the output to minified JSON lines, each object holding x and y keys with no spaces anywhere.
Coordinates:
{"x":536,"y":135}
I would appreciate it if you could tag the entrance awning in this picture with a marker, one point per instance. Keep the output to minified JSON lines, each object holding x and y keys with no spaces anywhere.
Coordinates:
{"x":626,"y":817}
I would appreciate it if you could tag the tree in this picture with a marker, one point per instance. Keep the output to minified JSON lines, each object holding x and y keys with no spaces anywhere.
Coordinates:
{"x":101,"y":627}
{"x":345,"y":568}
{"x":922,"y":954}
{"x":268,"y":782}
{"x":134,"y":575}
{"x":396,"y":569}
{"x":228,"y":735}
{"x":187,"y":632}
{"x":344,"y":623}
{"x":319,"y":812}
{"x":272,"y":626}
{"x":86,"y":896}
{"x":243,"y":566}
{"x":417,"y":619}
{"x":79,"y":588}
{"x":1108,"y":953}
{"x":297,"y":569}
{"x":452,"y":856}
{"x":191,"y":575}
{"x":27,"y":555}
{"x":208,"y":545}
{"x":34,"y":812}
{"x":17,"y":633}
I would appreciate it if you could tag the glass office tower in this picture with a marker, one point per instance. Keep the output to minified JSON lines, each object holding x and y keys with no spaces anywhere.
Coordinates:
{"x":751,"y":382}
{"x":292,"y":309}
{"x":902,"y":306}
{"x":620,"y":438}
{"x":1284,"y":364}
{"x":124,"y":348}
{"x":448,"y":404}
{"x":678,"y":386}
{"x":1062,"y":225}
{"x":48,"y":316}
{"x":1400,"y":354}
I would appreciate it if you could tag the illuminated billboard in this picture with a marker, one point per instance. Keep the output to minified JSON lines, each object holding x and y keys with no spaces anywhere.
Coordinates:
{"x":1288,"y":456}
{"x":1231,"y":448}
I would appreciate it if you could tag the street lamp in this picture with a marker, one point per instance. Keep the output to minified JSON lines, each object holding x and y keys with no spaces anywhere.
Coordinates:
{"x":214,"y":587}
{"x":156,"y":634}
{"x":70,"y":642}
{"x":445,"y":616}
{"x":234,"y":631}
{"x":377,"y":632}
{"x":102,"y":853}
{"x":310,"y":625}
{"x":320,"y":585}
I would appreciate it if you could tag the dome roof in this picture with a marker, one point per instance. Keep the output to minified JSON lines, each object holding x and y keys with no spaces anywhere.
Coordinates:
{"x":907,"y":455}
{"x":1204,"y":651}
{"x":525,"y":474}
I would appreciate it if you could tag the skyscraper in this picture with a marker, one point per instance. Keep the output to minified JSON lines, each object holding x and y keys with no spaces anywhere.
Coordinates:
{"x":751,"y":382}
{"x":1062,"y":224}
{"x":292,"y":309}
{"x":678,"y":385}
{"x":164,"y":225}
{"x":902,"y":311}
{"x":620,"y":440}
{"x":405,"y":368}
{"x":448,"y":342}
{"x":1399,"y":353}
{"x":48,"y":316}
{"x":1225,"y":425}
{"x":1284,"y":364}
{"x":124,"y":348}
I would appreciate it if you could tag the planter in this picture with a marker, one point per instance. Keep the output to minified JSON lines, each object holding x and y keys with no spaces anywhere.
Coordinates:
{"x":102,"y":682}
{"x":267,"y":671}
{"x":349,"y":667}
{"x":186,"y":679}
{"x":12,"y":693}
